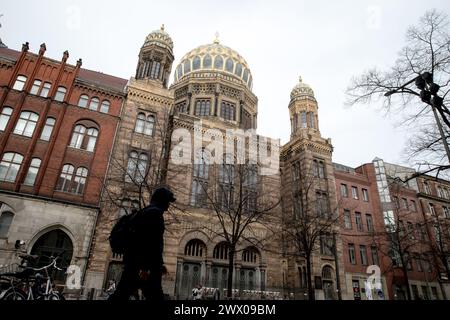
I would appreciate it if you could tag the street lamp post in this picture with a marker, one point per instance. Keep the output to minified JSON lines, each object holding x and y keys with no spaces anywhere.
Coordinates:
{"x":429,"y":95}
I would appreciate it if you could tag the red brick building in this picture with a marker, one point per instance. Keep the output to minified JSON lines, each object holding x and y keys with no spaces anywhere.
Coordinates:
{"x":57,"y":126}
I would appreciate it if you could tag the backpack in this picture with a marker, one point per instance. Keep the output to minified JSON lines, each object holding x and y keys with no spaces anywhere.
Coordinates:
{"x":121,"y":234}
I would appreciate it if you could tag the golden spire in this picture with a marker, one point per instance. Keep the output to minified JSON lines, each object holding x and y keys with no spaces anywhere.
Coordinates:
{"x":216,"y":40}
{"x":162,"y":27}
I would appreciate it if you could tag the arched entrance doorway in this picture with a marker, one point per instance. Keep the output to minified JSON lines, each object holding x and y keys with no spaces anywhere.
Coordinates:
{"x":328,"y":283}
{"x":54,"y":243}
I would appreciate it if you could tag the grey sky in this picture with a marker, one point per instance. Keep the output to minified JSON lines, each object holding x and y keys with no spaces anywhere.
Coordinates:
{"x":326,"y":42}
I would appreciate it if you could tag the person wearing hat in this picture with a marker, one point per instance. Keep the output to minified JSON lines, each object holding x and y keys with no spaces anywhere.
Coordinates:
{"x":143,"y":259}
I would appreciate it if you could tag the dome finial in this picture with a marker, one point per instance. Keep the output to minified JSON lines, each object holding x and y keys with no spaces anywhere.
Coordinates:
{"x":300,"y":79}
{"x":162,"y":27}
{"x":216,"y":40}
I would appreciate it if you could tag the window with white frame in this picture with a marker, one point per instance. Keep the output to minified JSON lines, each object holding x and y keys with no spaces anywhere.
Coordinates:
{"x":4,"y":117}
{"x":137,"y":167}
{"x":20,"y":83}
{"x":65,"y":178}
{"x":26,"y":124}
{"x":104,"y":108}
{"x":83,"y":101}
{"x":36,"y":86}
{"x":10,"y":166}
{"x":84,"y":138}
{"x":33,"y":171}
{"x":48,"y":128}
{"x":45,"y":90}
{"x":93,"y":105}
{"x":145,"y":124}
{"x":60,"y":94}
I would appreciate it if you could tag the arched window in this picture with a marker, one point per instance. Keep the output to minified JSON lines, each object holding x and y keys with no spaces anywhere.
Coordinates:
{"x":201,"y":164}
{"x":304,"y":123}
{"x":78,"y":136}
{"x":207,"y":61}
{"x":195,"y":248}
{"x":327,"y":273}
{"x":250,"y":255}
{"x":218,"y":63}
{"x":180,"y":71}
{"x":36,"y":86}
{"x":20,"y":83}
{"x":245,"y":77}
{"x":83,"y":101}
{"x":45,"y":89}
{"x":91,"y":136}
{"x":32,"y":171}
{"x":250,"y":82}
{"x":6,"y":219}
{"x":4,"y":117}
{"x":10,"y":166}
{"x":48,"y":128}
{"x":60,"y":94}
{"x":229,"y":65}
{"x":84,"y":138}
{"x":65,"y":178}
{"x":94,"y":104}
{"x":311,"y":120}
{"x":140,"y":123}
{"x":221,"y":251}
{"x":154,"y":72}
{"x":149,"y":125}
{"x":238,"y":70}
{"x":105,"y":106}
{"x":137,"y":167}
{"x":203,"y":107}
{"x":196,"y":63}
{"x":228,"y":111}
{"x":26,"y":124}
{"x":200,"y":178}
{"x":187,"y":66}
{"x":226,"y":182}
{"x":79,"y":181}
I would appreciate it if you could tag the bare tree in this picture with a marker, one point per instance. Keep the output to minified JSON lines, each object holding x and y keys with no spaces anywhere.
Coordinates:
{"x":427,"y":49}
{"x":310,"y":229}
{"x":243,"y":201}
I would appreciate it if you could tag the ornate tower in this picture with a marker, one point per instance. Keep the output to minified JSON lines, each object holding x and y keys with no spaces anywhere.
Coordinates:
{"x":308,"y":189}
{"x":156,"y":57}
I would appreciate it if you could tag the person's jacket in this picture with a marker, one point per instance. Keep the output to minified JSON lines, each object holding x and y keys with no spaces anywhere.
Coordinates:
{"x":146,"y":247}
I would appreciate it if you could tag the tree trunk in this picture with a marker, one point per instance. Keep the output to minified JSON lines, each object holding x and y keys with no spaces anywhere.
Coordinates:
{"x":230,"y":272}
{"x":405,"y":275}
{"x":311,"y":295}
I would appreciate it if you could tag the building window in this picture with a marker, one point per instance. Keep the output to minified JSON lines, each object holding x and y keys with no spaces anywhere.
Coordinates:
{"x":20,"y":83}
{"x":196,"y":63}
{"x":60,"y":94}
{"x":303,"y":119}
{"x":45,"y":89}
{"x":434,"y":293}
{"x":347,"y":219}
{"x":440,"y":192}
{"x":104,"y":106}
{"x":207,"y":61}
{"x":195,"y":248}
{"x":358,"y":220}
{"x":4,"y":117}
{"x":432,"y":209}
{"x":363,"y":254}
{"x":311,"y":120}
{"x":187,"y":66}
{"x":26,"y":124}
{"x":413,"y":206}
{"x":93,"y":105}
{"x":182,"y":107}
{"x":65,"y":178}
{"x":425,"y":293}
{"x":200,"y":179}
{"x":10,"y":166}
{"x":321,"y":204}
{"x":355,"y":193}
{"x":137,"y":167}
{"x":83,"y":101}
{"x":127,"y":206}
{"x":218,"y":63}
{"x":374,"y":251}
{"x":36,"y":86}
{"x":83,"y":138}
{"x":202,"y":108}
{"x":351,"y":253}
{"x":228,"y":111}
{"x":154,"y":72}
{"x":32,"y":171}
{"x":405,"y":204}
{"x":226,"y":182}
{"x":318,"y":169}
{"x":419,"y":263}
{"x":426,"y":187}
{"x":369,"y":222}
{"x":326,"y":244}
{"x":250,"y":255}
{"x":229,"y":65}
{"x":344,"y":191}
{"x":145,"y":124}
{"x":411,"y":231}
{"x":365,"y":194}
{"x":415,"y":291}
{"x":221,"y":251}
{"x":79,"y":181}
{"x":446,"y":212}
{"x":6,"y":219}
{"x":48,"y":128}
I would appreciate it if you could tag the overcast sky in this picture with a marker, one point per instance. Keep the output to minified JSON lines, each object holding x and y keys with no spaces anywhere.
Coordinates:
{"x":326,"y":42}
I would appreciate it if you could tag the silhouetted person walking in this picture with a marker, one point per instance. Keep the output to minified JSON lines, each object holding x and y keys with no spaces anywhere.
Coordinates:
{"x":143,"y":257}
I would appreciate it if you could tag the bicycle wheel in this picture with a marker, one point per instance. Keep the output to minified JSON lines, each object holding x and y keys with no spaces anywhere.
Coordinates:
{"x":56,"y":296}
{"x":15,"y":294}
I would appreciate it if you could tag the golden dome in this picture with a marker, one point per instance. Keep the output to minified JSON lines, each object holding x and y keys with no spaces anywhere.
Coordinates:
{"x":212,"y":58}
{"x":302,"y":90}
{"x":159,"y":38}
